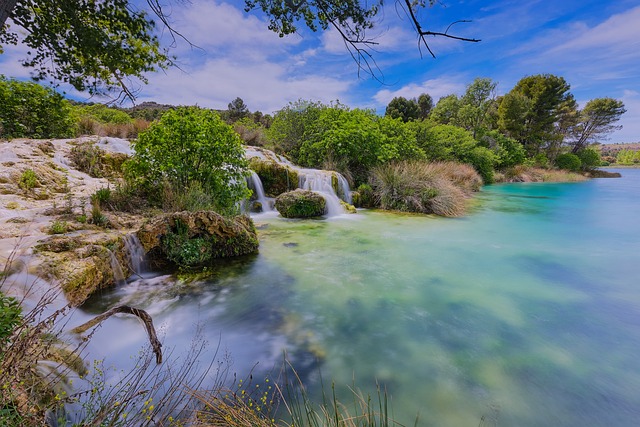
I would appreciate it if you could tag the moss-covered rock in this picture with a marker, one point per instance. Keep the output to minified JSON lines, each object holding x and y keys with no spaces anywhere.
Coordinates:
{"x":276,"y":178}
{"x":83,"y":264}
{"x":301,"y":204}
{"x":193,"y":239}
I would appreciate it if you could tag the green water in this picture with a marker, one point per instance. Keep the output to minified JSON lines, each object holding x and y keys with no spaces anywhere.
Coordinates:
{"x":526,"y":312}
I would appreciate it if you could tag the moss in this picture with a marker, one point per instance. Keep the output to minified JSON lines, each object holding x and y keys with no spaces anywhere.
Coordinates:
{"x":348,"y":208}
{"x":95,"y":162}
{"x":301,"y":204}
{"x":276,"y":178}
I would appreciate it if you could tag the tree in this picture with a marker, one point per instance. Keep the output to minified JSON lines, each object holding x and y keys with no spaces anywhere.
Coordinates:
{"x":237,"y":110}
{"x":446,"y":110}
{"x":192,"y":147}
{"x":94,"y":45}
{"x":596,"y":121}
{"x":475,"y":105}
{"x":403,"y":108}
{"x":548,"y":102}
{"x":31,"y":110}
{"x":425,"y":104}
{"x":98,"y":45}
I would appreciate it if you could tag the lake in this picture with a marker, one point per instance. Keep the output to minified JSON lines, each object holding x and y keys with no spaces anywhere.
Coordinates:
{"x":525,"y":312}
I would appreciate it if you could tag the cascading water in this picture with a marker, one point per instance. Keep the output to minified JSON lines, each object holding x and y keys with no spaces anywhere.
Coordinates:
{"x":133,"y":247}
{"x":320,"y":181}
{"x":256,"y":185}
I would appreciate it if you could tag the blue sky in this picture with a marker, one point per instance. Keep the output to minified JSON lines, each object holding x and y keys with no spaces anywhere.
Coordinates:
{"x":594,"y":45}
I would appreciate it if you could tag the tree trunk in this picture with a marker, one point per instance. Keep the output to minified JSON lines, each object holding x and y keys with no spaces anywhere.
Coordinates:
{"x":6,"y":6}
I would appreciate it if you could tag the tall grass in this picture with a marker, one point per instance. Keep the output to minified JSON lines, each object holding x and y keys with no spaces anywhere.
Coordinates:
{"x":440,"y":188}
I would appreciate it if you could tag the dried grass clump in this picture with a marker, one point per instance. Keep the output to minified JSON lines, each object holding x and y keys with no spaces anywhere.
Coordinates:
{"x":89,"y":126}
{"x":433,"y":188}
{"x":523,"y":173}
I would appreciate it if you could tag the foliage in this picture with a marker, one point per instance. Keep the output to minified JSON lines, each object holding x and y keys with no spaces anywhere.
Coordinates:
{"x":425,"y":104}
{"x":533,"y":110}
{"x":237,"y":110}
{"x":628,"y":157}
{"x":404,"y":109}
{"x":476,"y":105}
{"x":28,"y":180}
{"x":364,"y":196}
{"x":596,"y":121}
{"x":92,"y":160}
{"x":31,"y":110}
{"x":446,"y":110}
{"x":589,"y":158}
{"x":568,"y":161}
{"x":10,"y":312}
{"x":452,"y":143}
{"x":416,"y":186}
{"x":92,"y":45}
{"x":508,"y":151}
{"x":58,"y":227}
{"x":290,"y":124}
{"x":190,"y":145}
{"x":252,"y":133}
{"x":301,"y":204}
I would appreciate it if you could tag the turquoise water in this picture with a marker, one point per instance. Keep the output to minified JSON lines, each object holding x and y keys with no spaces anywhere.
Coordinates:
{"x":526,"y":312}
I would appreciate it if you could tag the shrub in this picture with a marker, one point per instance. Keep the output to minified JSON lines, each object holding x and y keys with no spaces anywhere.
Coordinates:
{"x":508,"y":151}
{"x":28,"y":180}
{"x":418,"y":187}
{"x":482,"y":159}
{"x":58,"y":227}
{"x":301,"y":204}
{"x":33,"y":111}
{"x":9,"y":317}
{"x":190,"y":145}
{"x":364,"y":197}
{"x":569,"y":162}
{"x":101,"y":197}
{"x":590,"y":158}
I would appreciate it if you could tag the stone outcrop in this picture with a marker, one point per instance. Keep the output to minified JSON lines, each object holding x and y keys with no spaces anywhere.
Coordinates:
{"x":301,"y":204}
{"x":83,"y":264}
{"x":192,"y":239}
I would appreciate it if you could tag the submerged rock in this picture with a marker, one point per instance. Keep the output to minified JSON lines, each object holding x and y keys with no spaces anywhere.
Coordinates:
{"x":191,"y":239}
{"x":301,"y":204}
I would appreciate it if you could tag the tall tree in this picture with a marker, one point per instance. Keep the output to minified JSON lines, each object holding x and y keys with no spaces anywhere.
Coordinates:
{"x":403,"y":108}
{"x":596,"y":121}
{"x":425,"y":104}
{"x":475,"y":105}
{"x":446,"y":110}
{"x":548,"y":103}
{"x":237,"y":110}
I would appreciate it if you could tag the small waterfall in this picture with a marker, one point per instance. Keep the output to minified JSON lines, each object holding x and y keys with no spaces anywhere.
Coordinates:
{"x":133,"y":247}
{"x":256,"y":185}
{"x":118,"y":274}
{"x":320,"y":182}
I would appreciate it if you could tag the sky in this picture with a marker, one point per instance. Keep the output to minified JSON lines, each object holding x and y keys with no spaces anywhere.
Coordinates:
{"x":593,"y":44}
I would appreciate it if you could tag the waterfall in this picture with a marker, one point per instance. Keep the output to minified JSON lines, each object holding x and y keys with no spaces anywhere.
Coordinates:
{"x":118,"y":274}
{"x":320,"y":181}
{"x":134,"y":249}
{"x":256,"y":185}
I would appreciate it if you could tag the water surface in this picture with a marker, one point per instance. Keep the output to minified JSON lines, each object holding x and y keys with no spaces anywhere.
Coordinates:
{"x":526,"y":312}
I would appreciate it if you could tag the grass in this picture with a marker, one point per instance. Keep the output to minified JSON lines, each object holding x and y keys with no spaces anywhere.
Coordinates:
{"x":522,"y":173}
{"x":440,"y":188}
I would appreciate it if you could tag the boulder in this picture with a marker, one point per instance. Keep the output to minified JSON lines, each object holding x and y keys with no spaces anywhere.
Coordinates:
{"x":301,"y":204}
{"x":276,"y":178}
{"x":192,"y":239}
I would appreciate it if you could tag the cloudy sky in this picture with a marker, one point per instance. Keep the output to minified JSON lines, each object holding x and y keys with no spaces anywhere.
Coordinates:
{"x":594,"y":45}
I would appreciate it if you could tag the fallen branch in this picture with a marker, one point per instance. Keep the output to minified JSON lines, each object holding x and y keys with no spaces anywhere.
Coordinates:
{"x":141,"y":314}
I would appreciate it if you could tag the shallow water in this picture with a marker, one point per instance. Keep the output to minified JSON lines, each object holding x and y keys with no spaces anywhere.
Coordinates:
{"x":526,"y":312}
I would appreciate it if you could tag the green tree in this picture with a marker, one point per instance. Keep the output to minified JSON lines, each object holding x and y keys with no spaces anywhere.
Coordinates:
{"x":425,"y":104}
{"x":237,"y":110}
{"x":31,"y":110}
{"x":596,"y":121}
{"x":290,"y":124}
{"x":475,"y":105}
{"x":94,"y":45}
{"x":446,"y":110}
{"x":569,"y":162}
{"x":589,"y":158}
{"x":548,"y":102}
{"x":403,"y":108}
{"x":191,"y":147}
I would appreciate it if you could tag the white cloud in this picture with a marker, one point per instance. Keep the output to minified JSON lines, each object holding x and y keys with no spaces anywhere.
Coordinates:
{"x":630,"y":120}
{"x":437,"y":88}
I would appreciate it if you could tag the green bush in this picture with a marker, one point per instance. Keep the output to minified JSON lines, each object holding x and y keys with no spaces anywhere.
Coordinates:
{"x":28,"y":180}
{"x":190,"y":145}
{"x":33,"y":111}
{"x":508,"y":151}
{"x":483,"y":160}
{"x":590,"y":159}
{"x":364,"y":197}
{"x":568,"y":161}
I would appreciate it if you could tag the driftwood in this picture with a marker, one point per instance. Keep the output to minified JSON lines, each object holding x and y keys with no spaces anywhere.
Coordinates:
{"x":141,"y":314}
